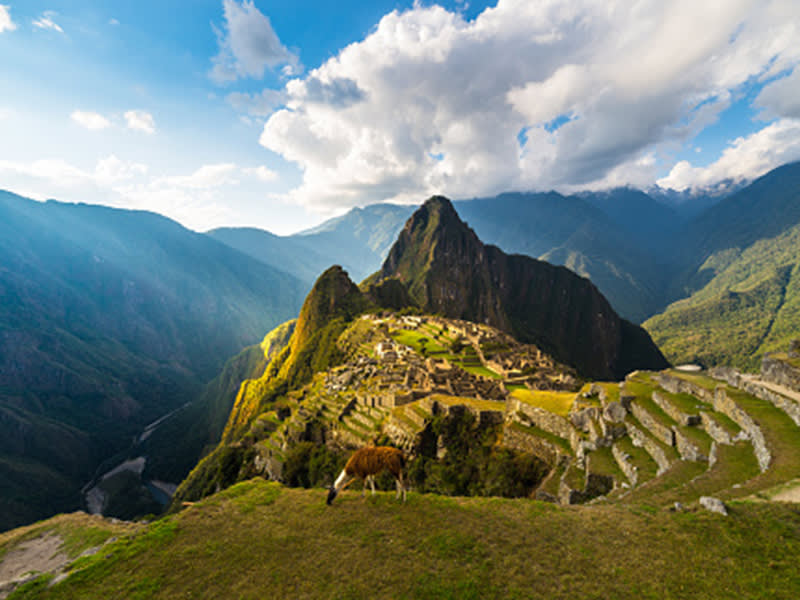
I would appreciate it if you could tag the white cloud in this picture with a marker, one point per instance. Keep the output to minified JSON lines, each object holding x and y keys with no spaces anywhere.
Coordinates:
{"x":62,"y":174}
{"x":6,"y":24}
{"x":46,"y":22}
{"x":113,"y":22}
{"x":261,"y":173}
{"x":112,"y":170}
{"x":248,"y":45}
{"x":139,"y":120}
{"x":430,"y":102}
{"x":745,"y":159}
{"x":90,"y":120}
{"x":206,"y":177}
{"x":781,"y":98}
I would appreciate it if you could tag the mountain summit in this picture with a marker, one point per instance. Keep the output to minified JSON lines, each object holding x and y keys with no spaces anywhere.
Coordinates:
{"x":449,"y":271}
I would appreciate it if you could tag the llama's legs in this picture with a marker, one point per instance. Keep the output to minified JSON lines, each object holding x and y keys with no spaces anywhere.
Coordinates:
{"x":372,"y":483}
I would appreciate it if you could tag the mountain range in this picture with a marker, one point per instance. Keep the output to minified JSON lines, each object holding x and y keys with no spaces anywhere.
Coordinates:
{"x":111,"y":319}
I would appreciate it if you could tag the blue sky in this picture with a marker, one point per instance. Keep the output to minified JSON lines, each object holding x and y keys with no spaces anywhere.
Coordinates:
{"x":279,"y":115}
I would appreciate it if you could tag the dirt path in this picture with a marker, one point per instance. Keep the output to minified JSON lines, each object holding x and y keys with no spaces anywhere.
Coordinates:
{"x":39,"y":555}
{"x":790,"y":493}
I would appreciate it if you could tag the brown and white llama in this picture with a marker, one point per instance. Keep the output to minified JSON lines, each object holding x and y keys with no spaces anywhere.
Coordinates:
{"x":367,"y":462}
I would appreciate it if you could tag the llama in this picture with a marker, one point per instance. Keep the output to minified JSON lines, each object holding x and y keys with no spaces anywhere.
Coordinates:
{"x":367,"y":462}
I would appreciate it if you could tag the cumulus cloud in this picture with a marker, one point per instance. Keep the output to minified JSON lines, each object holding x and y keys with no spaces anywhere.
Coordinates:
{"x":248,"y":45}
{"x":46,"y":22}
{"x":6,"y":24}
{"x":745,"y":159}
{"x":90,"y":120}
{"x":57,"y":171}
{"x":528,"y":95}
{"x":139,"y":120}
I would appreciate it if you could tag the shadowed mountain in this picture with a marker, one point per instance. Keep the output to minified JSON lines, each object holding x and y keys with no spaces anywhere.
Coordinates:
{"x":109,"y":319}
{"x":449,"y":271}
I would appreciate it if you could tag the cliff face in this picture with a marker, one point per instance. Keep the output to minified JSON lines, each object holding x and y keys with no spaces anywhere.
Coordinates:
{"x":449,"y":271}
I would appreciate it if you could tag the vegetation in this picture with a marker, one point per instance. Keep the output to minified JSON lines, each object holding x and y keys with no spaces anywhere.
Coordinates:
{"x":555,"y":402}
{"x":260,"y":540}
{"x":473,"y":464}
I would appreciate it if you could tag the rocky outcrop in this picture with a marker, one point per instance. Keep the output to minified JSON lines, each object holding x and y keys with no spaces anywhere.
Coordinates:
{"x":714,"y":505}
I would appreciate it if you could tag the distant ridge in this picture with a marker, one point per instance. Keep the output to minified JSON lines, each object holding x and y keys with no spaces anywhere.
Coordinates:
{"x":449,"y":271}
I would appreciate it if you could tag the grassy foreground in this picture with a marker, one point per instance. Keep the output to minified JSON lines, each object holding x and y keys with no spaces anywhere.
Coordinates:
{"x":260,"y":540}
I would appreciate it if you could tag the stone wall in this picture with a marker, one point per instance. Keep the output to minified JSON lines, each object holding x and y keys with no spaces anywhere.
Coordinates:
{"x":780,"y":372}
{"x":687,"y":449}
{"x":726,"y":405}
{"x":678,"y":385}
{"x":713,"y":429}
{"x":626,"y":466}
{"x":541,"y":418}
{"x":642,"y":440}
{"x":753,"y":386}
{"x":668,"y":407}
{"x":524,"y":442}
{"x":662,"y":432}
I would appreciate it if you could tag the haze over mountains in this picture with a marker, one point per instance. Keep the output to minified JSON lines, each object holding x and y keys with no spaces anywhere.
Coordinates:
{"x":111,"y":319}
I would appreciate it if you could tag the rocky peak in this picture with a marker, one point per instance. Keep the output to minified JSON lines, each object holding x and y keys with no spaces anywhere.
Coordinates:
{"x":333,"y":295}
{"x":449,"y":271}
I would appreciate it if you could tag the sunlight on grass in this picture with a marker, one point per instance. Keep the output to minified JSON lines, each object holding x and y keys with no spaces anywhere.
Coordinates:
{"x":555,"y":402}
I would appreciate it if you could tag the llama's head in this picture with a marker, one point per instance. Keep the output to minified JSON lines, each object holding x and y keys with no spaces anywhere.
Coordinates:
{"x":331,"y":495}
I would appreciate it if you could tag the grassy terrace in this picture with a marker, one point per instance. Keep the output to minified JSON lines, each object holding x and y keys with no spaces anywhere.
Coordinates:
{"x":669,"y":451}
{"x":697,"y":436}
{"x":685,"y":402}
{"x":611,"y":389}
{"x":545,"y":435}
{"x":602,"y":461}
{"x":258,"y":540}
{"x":473,"y":402}
{"x":554,"y":479}
{"x":555,"y":402}
{"x":782,"y":437}
{"x":703,"y":381}
{"x":644,"y":463}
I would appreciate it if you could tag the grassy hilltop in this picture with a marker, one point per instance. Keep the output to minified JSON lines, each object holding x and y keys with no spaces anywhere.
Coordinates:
{"x":261,"y":540}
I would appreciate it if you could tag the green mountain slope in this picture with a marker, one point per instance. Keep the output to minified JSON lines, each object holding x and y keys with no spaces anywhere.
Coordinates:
{"x":109,"y":319}
{"x":449,"y":271}
{"x":740,"y":289}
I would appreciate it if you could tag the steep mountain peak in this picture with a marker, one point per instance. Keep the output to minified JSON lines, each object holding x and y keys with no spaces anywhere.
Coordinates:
{"x":449,"y":271}
{"x":333,"y":295}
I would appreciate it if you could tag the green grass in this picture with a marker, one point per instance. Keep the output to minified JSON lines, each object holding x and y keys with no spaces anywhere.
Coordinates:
{"x":433,"y":547}
{"x":556,"y":402}
{"x":473,"y":402}
{"x":783,"y":440}
{"x":479,"y":370}
{"x":545,"y":435}
{"x":412,"y":339}
{"x":602,"y":461}
{"x":644,"y":463}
